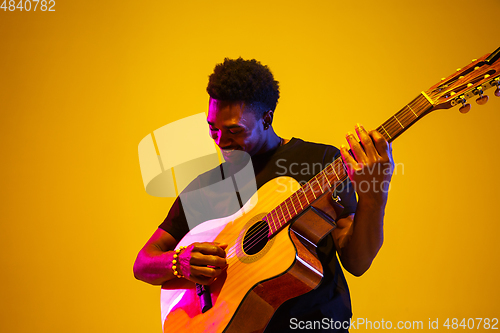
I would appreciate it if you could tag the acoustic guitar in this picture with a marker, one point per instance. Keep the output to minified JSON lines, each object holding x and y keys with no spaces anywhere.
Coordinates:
{"x":270,"y":259}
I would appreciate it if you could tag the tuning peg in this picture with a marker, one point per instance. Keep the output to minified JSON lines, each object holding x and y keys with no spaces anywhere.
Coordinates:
{"x":465,"y":108}
{"x":497,"y":90}
{"x":496,"y":82}
{"x":482,"y":100}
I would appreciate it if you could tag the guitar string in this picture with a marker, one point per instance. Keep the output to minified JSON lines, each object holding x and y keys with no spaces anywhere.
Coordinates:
{"x":288,"y":203}
{"x":406,"y":116}
{"x":259,"y":231}
{"x":304,"y":190}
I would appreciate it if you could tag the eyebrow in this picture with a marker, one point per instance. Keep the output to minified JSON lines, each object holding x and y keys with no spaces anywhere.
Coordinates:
{"x":230,"y":126}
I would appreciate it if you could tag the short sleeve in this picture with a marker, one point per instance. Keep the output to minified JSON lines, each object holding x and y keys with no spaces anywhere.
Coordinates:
{"x":175,"y":223}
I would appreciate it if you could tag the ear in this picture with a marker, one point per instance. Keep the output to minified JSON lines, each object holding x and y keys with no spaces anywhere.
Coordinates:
{"x":267,"y":119}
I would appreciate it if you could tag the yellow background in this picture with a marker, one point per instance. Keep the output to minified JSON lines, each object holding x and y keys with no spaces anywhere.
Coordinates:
{"x":81,"y":86}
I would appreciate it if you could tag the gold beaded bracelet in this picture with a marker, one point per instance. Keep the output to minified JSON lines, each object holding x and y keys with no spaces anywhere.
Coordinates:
{"x":174,"y":261}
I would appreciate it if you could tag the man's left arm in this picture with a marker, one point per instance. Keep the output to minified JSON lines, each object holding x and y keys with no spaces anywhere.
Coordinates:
{"x":359,"y":236}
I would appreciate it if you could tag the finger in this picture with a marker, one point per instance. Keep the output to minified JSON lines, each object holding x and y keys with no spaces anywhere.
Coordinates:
{"x":349,"y":162}
{"x":381,"y":144}
{"x":210,"y":272}
{"x":199,"y":259}
{"x":385,"y":150}
{"x":206,"y":280}
{"x":221,"y":245}
{"x":210,"y":249}
{"x":356,"y":149}
{"x":206,"y":277}
{"x":367,"y":142}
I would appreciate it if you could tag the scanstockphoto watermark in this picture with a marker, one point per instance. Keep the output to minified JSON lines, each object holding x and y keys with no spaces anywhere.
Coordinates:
{"x":471,"y":323}
{"x":360,"y":323}
{"x":370,"y":184}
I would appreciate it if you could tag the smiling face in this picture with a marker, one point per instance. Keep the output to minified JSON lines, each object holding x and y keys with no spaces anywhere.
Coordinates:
{"x":234,"y":127}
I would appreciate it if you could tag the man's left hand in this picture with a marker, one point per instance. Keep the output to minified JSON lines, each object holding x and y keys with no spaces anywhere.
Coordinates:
{"x":370,"y":166}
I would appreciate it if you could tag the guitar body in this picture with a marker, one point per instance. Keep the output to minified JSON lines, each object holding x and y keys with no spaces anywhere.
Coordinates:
{"x":246,"y":296}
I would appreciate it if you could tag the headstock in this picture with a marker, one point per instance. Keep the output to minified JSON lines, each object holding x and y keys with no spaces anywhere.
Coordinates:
{"x":468,"y":82}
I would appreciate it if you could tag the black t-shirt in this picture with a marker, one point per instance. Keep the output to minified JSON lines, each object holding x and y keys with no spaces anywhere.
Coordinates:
{"x":297,"y":159}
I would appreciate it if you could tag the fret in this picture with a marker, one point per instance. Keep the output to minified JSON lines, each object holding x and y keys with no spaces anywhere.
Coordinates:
{"x":336,"y":174}
{"x":286,"y":213}
{"x":278,"y":217}
{"x":404,"y":117}
{"x":319,"y":185}
{"x":392,"y":125}
{"x":419,"y":106}
{"x":273,"y":223}
{"x":311,"y":190}
{"x":298,"y":199}
{"x":293,"y":205}
{"x":282,"y":213}
{"x":305,"y":196}
{"x":323,"y":186}
{"x":276,"y":223}
{"x":398,"y":121}
{"x":382,"y":126}
{"x":341,"y":172}
{"x":331,"y":175}
{"x":286,"y":205}
{"x":326,"y":177}
{"x":409,"y":107}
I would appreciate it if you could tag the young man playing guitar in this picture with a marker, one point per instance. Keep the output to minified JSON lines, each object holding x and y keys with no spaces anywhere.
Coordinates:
{"x":243,"y":98}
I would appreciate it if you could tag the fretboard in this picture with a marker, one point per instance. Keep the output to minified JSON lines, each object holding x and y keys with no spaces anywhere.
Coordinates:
{"x":335,"y":174}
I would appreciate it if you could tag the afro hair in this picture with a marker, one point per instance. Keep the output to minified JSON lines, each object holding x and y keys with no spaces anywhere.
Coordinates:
{"x":244,"y":80}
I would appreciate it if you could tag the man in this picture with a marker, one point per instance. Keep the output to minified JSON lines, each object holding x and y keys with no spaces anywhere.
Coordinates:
{"x":243,"y":98}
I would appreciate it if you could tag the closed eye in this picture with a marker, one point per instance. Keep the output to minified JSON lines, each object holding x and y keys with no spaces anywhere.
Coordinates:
{"x":231,"y":130}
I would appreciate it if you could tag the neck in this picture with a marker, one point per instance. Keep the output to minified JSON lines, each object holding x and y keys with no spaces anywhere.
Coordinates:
{"x":273,"y":141}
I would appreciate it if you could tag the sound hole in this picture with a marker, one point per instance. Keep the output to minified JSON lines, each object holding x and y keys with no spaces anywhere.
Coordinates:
{"x":256,"y":238}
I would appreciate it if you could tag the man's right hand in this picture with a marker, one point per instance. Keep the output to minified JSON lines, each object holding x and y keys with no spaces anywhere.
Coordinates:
{"x":202,"y":262}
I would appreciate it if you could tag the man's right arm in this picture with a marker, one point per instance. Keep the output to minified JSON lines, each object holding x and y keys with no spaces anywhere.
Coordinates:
{"x":154,"y":261}
{"x":199,"y":262}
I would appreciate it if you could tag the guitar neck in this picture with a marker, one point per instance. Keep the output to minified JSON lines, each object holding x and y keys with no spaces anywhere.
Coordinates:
{"x":334,"y":174}
{"x":404,"y":118}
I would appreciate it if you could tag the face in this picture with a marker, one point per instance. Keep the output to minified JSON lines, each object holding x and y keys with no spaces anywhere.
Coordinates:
{"x":235,"y":129}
